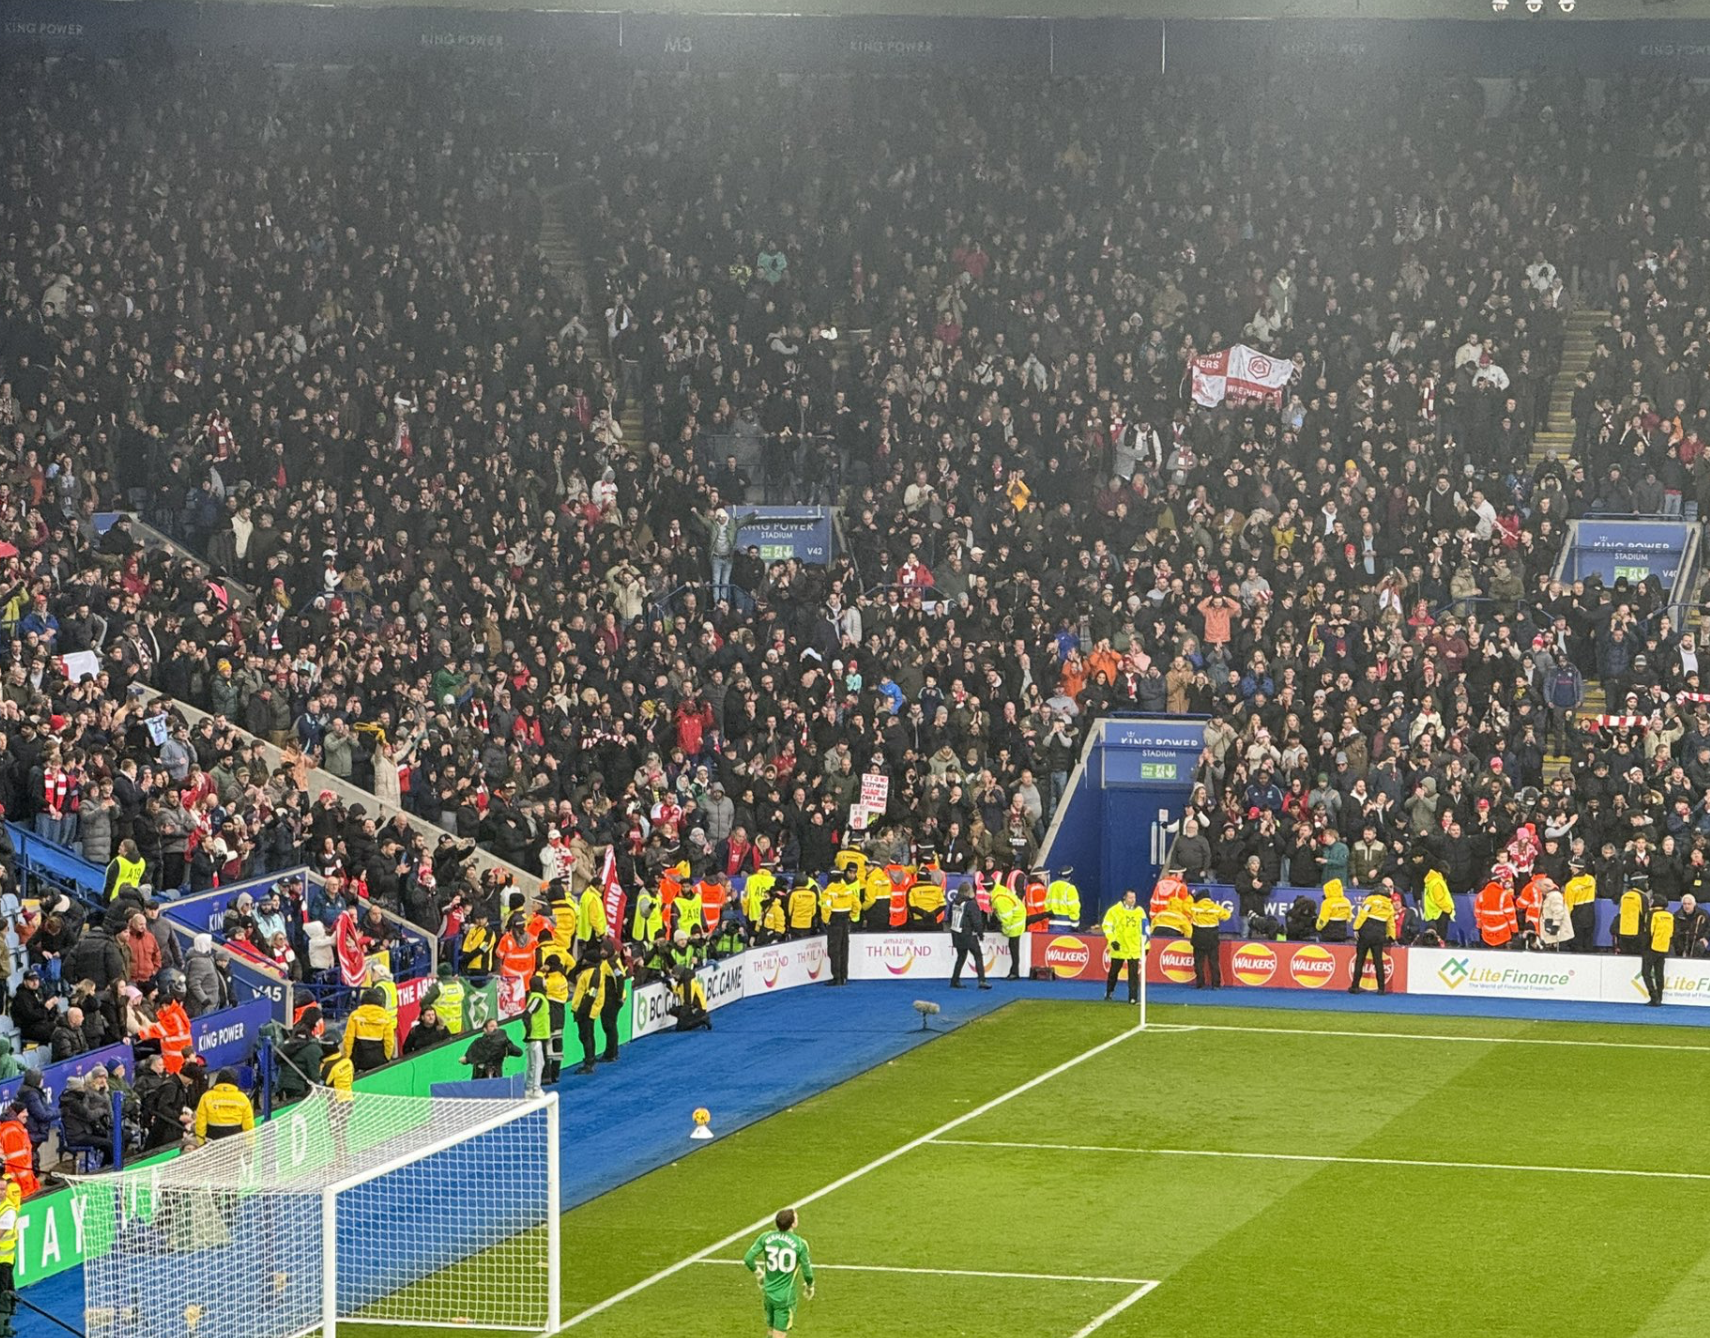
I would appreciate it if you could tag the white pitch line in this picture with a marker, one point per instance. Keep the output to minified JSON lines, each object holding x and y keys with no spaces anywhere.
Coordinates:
{"x":1115,"y":1310}
{"x":1329,"y":1160}
{"x":960,"y":1273}
{"x":1431,"y":1036}
{"x":670,"y":1270}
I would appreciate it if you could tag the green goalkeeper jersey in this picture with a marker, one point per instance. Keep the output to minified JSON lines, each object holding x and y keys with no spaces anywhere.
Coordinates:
{"x":780,"y":1255}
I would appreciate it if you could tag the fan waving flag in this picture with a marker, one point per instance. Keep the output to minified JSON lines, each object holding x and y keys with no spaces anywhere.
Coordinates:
{"x":1240,"y":375}
{"x":614,"y":895}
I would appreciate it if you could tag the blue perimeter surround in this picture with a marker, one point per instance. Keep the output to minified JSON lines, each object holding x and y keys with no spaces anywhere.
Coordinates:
{"x":754,"y":1064}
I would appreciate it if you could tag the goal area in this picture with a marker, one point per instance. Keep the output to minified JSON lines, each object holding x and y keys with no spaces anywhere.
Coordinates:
{"x":340,"y":1213}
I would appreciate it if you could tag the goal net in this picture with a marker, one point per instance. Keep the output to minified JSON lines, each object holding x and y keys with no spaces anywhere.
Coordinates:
{"x":338,"y":1215}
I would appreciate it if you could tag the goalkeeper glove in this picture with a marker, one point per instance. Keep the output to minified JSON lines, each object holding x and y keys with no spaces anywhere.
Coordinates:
{"x":809,"y":1292}
{"x":759,"y":1276}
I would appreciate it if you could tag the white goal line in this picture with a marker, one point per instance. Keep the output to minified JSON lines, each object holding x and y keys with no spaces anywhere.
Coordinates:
{"x":1147,"y":1283}
{"x":1328,"y":1159}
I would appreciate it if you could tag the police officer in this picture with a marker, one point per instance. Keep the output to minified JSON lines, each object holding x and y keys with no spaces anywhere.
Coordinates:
{"x":840,"y":905}
{"x":967,"y":923}
{"x":1373,"y":929}
{"x":1207,"y":968}
{"x":1125,"y":940}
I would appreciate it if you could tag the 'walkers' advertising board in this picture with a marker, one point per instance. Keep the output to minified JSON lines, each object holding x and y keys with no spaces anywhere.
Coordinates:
{"x":1255,"y":963}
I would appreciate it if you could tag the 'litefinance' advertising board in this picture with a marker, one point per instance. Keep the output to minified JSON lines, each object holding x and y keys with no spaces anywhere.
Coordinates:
{"x":1506,"y":975}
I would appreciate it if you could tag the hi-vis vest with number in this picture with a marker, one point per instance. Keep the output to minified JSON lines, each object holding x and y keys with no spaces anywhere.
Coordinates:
{"x":130,"y":873}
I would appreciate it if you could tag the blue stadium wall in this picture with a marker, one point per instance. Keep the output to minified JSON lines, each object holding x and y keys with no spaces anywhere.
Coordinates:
{"x":1134,"y":776}
{"x":874,"y":44}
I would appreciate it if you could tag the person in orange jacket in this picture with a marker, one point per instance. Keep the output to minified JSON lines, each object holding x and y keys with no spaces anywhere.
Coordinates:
{"x":1171,"y":908}
{"x":1494,"y":909}
{"x":517,"y":950}
{"x":1529,"y":904}
{"x":17,"y":1152}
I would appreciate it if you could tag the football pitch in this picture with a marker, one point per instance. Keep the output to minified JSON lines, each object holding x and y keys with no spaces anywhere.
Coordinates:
{"x":1048,"y":1171}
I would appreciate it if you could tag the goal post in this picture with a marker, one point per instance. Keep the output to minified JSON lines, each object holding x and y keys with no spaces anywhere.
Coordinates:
{"x":338,"y":1215}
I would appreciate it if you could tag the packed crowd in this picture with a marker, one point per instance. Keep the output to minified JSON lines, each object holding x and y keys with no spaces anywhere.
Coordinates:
{"x":317,"y":345}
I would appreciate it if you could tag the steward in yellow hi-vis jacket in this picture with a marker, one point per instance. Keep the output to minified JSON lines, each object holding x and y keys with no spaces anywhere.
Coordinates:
{"x":1580,"y":894}
{"x":924,"y":897}
{"x":877,"y":900}
{"x":223,"y":1110}
{"x":1335,"y":913}
{"x":1374,"y":928}
{"x":1657,"y":938}
{"x":592,"y":981}
{"x":370,"y":1033}
{"x":803,"y":904}
{"x":1125,"y":933}
{"x":1010,"y":912}
{"x":1207,"y":969}
{"x":1631,"y":921}
{"x":840,"y":905}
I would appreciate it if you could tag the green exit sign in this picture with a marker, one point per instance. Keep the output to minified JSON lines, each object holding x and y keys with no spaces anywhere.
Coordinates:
{"x":1158,"y":771}
{"x":1632,"y":573}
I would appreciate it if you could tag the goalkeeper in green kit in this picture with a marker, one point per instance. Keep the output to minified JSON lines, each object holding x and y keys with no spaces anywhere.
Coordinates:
{"x":776,"y":1258}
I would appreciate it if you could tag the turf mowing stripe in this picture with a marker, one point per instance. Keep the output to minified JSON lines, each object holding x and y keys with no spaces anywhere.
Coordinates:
{"x":1427,"y":1036}
{"x":1115,"y":1310}
{"x":959,"y":1273}
{"x":671,"y":1270}
{"x":1340,"y":1161}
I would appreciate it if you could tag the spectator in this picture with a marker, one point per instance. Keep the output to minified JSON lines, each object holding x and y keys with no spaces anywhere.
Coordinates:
{"x":86,"y":1110}
{"x":206,"y":977}
{"x":69,"y":1039}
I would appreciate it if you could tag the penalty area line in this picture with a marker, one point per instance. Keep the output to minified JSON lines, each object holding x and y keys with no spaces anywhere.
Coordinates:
{"x":671,"y":1270}
{"x":960,"y":1273}
{"x":1115,"y":1310}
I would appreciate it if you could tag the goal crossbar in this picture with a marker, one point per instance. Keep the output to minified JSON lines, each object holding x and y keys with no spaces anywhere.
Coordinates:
{"x":366,"y":1208}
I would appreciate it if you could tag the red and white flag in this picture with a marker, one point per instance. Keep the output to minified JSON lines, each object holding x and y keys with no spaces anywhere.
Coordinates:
{"x":616,"y":899}
{"x":1240,"y":375}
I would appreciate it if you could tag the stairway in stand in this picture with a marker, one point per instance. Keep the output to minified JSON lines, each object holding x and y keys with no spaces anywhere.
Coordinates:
{"x":1558,"y":434}
{"x":1577,"y":345}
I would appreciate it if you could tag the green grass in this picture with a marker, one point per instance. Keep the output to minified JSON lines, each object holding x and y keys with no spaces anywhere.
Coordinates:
{"x":1251,"y":1245}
